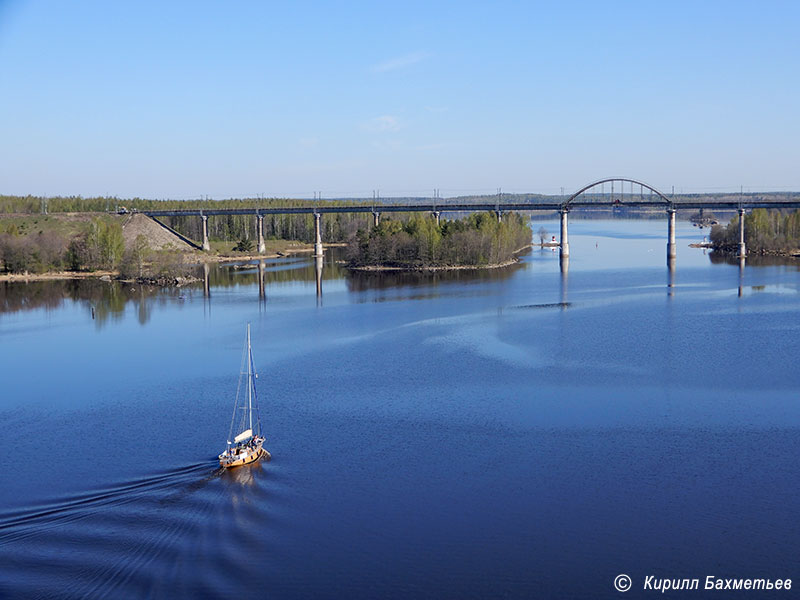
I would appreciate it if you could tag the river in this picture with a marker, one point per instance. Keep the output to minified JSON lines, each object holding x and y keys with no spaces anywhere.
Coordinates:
{"x":517,"y":433}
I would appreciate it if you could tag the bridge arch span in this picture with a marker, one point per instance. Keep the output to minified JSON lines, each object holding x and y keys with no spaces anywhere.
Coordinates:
{"x":569,"y":201}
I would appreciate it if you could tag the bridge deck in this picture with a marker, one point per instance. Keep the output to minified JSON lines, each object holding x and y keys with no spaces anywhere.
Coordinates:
{"x":502,"y":206}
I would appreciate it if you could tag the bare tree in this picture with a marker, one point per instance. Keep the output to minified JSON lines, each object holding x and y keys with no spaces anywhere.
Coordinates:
{"x":542,"y":233}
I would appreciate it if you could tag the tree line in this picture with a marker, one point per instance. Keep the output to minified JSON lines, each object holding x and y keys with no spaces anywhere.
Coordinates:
{"x":419,"y":242}
{"x":336,"y":227}
{"x":766,"y":231}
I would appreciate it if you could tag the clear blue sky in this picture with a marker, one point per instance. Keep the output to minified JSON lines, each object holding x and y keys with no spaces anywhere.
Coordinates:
{"x":182,"y":99}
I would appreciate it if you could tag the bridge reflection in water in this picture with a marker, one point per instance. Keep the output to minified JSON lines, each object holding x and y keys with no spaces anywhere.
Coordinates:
{"x":265,"y":271}
{"x":108,"y":301}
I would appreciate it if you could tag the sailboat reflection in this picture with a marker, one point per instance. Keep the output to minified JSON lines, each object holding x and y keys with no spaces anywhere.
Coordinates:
{"x":243,"y":476}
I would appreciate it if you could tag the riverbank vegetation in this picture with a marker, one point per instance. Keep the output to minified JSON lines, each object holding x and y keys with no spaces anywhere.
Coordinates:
{"x":766,"y":232}
{"x":40,"y":244}
{"x":48,"y":244}
{"x":478,"y":240}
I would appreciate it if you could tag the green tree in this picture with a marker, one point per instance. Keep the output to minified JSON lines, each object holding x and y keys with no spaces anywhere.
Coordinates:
{"x":135,"y":259}
{"x":244,"y":245}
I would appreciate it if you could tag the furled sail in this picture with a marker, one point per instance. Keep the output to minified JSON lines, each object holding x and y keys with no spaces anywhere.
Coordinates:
{"x":245,"y":435}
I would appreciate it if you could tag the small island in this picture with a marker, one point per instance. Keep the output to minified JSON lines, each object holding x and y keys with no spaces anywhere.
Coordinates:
{"x":479,"y":241}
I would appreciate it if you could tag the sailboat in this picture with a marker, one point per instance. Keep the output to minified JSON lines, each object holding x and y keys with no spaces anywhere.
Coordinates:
{"x":245,"y":442}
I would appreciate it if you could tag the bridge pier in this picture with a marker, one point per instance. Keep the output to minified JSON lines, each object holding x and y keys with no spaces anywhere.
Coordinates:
{"x":742,"y":250}
{"x":206,"y":245}
{"x":376,"y":218}
{"x":499,"y":215}
{"x":436,"y":214}
{"x":317,"y":236}
{"x":564,"y":243}
{"x":261,"y":245}
{"x":672,"y":252}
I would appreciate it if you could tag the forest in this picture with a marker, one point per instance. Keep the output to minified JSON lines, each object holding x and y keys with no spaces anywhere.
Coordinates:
{"x":419,"y":242}
{"x":766,"y":232}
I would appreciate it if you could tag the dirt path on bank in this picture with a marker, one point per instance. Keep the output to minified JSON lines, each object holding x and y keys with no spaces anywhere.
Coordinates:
{"x":26,"y":277}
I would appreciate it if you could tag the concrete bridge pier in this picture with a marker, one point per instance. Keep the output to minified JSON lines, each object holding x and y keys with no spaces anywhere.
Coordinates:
{"x":436,"y":214}
{"x":206,"y":281}
{"x":318,"y":251}
{"x":564,"y":243}
{"x":376,"y":218}
{"x":206,"y":245}
{"x":499,"y":215}
{"x":262,"y":247}
{"x":672,"y":252}
{"x":742,"y":249}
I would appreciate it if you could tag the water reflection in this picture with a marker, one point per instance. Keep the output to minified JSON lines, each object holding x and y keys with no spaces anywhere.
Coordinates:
{"x":754,"y":260}
{"x":242,"y":476}
{"x":318,"y":276}
{"x":106,"y":301}
{"x":671,"y":276}
{"x":360,"y":281}
{"x":741,"y":274}
{"x":262,"y":293}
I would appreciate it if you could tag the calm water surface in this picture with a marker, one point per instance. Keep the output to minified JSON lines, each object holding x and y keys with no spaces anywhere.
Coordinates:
{"x":518,"y":434}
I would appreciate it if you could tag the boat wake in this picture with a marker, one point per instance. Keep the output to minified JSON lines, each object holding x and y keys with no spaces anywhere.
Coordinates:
{"x":128,"y":539}
{"x":31,"y":520}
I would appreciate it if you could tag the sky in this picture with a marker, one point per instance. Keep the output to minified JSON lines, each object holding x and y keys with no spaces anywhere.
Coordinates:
{"x":289,"y":99}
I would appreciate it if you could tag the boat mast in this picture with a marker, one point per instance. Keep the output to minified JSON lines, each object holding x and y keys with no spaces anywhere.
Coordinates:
{"x":249,"y":380}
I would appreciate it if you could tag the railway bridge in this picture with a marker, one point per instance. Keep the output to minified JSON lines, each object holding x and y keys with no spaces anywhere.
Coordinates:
{"x":603,"y":193}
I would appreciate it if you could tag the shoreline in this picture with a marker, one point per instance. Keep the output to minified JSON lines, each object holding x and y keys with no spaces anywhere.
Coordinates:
{"x":378,"y":268}
{"x":301,"y":249}
{"x":795,"y":254}
{"x":189,"y":259}
{"x":433,"y":269}
{"x":56,"y":276}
